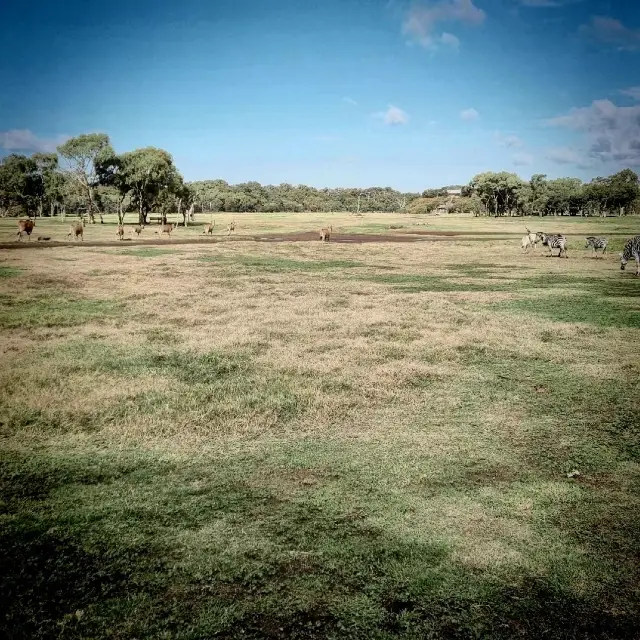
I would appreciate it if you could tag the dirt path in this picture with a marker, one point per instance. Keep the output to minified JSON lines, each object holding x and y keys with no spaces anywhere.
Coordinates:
{"x":310,"y":236}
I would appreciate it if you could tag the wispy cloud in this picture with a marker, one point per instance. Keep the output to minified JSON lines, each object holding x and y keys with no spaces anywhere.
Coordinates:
{"x":421,"y":23}
{"x":393,"y":116}
{"x":541,"y":3}
{"x":610,"y":31}
{"x":632,"y":92}
{"x":349,"y":100}
{"x":610,"y":133}
{"x":510,"y":141}
{"x":522,"y":159}
{"x":469,"y":115}
{"x":567,"y":155}
{"x":26,"y":140}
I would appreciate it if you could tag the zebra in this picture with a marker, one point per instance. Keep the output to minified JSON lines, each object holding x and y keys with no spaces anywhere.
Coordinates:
{"x":631,"y":250}
{"x":596,"y":243}
{"x":554,"y":241}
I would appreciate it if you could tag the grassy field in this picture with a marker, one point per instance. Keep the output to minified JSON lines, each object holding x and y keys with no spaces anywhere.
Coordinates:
{"x":308,"y":440}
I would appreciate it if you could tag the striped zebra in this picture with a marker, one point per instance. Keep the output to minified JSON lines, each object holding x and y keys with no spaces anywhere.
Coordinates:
{"x":631,"y":250}
{"x":554,"y":241}
{"x":596,"y":243}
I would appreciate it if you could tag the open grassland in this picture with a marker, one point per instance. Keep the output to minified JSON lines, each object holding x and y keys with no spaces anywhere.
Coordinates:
{"x":308,"y":440}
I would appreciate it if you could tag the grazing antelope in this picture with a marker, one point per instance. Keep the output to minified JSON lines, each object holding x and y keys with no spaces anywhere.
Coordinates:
{"x":231,"y":227}
{"x":325,"y":233}
{"x":166,"y":228}
{"x":209,"y":229}
{"x":137,"y":230}
{"x":25,"y":226}
{"x":75,"y":230}
{"x":120,"y":232}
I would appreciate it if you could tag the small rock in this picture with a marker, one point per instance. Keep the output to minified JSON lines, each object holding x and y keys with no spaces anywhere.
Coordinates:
{"x":573,"y":474}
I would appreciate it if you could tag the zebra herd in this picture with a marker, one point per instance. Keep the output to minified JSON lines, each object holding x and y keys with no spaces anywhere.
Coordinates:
{"x":559,"y":241}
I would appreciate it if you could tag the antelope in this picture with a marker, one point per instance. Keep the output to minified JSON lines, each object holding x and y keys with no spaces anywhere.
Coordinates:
{"x":166,"y":228}
{"x":120,"y":232}
{"x":530,"y":240}
{"x":209,"y":228}
{"x":76,"y":229}
{"x":137,"y":229}
{"x":231,"y":227}
{"x":325,"y":233}
{"x":25,"y":226}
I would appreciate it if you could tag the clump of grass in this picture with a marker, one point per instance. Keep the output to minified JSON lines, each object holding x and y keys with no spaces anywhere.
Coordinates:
{"x":274,"y":264}
{"x":51,"y":310}
{"x":9,"y":272}
{"x":146,"y":252}
{"x":578,"y":308}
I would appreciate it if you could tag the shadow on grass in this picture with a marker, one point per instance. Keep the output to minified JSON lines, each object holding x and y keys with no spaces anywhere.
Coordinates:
{"x":150,"y":549}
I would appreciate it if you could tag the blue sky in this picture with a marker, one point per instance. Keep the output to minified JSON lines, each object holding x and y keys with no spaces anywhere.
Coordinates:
{"x":335,"y":93}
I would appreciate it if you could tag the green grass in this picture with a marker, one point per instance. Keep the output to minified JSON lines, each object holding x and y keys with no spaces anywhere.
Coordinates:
{"x":9,"y":272}
{"x":280,"y":265}
{"x":145,"y":252}
{"x":51,"y":310}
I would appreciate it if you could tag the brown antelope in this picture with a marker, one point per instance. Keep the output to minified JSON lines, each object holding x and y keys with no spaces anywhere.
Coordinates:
{"x":231,"y":227}
{"x":76,"y":229}
{"x":120,"y":232}
{"x":166,"y":228}
{"x":209,"y":228}
{"x":325,"y":233}
{"x":25,"y":226}
{"x":137,"y":229}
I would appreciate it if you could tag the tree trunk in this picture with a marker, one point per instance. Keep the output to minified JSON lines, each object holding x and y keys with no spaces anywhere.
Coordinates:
{"x":141,"y":215}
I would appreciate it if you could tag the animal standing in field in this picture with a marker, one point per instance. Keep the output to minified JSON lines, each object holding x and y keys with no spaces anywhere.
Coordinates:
{"x":231,"y":227}
{"x":75,"y":230}
{"x":631,"y":250}
{"x":530,"y":240}
{"x":166,"y":228}
{"x":596,"y":243}
{"x":209,"y":228}
{"x":25,"y":226}
{"x":554,"y":241}
{"x":137,"y":230}
{"x":120,"y":232}
{"x":325,"y":233}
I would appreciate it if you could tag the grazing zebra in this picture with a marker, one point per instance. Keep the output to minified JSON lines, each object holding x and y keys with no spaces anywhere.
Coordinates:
{"x":554,"y":241}
{"x":631,"y":250}
{"x":596,"y":243}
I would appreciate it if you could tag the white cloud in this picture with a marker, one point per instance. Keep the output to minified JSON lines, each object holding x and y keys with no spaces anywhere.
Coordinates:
{"x":349,"y":100}
{"x":469,"y":115}
{"x":565,"y":155}
{"x":610,"y":31}
{"x":610,"y":133}
{"x":522,"y":159}
{"x":26,"y":140}
{"x":421,"y":22}
{"x":632,"y":92}
{"x":393,"y":116}
{"x":450,"y":40}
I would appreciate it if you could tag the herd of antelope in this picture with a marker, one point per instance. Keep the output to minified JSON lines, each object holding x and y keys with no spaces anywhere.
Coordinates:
{"x":529,"y":241}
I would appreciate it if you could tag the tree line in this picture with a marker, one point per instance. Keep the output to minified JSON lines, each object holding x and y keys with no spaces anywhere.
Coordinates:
{"x":87,"y":177}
